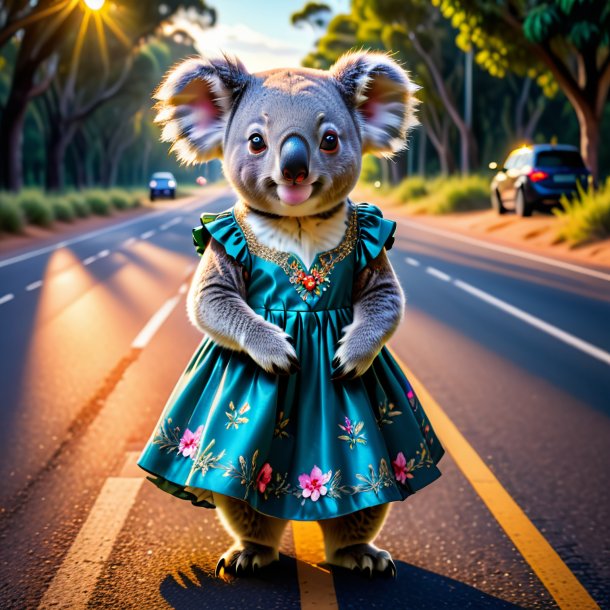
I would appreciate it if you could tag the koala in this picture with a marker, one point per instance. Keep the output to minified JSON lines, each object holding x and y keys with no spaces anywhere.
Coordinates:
{"x":291,"y":143}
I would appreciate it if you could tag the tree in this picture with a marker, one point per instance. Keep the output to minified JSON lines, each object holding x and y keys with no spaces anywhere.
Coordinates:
{"x":567,"y":38}
{"x":40,"y":46}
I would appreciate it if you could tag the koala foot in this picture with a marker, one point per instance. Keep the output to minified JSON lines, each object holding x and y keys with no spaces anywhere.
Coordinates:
{"x":364,"y":558}
{"x":246,"y":559}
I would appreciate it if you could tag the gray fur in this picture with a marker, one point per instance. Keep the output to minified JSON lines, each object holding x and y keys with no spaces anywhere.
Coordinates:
{"x":216,"y":304}
{"x":378,"y":310}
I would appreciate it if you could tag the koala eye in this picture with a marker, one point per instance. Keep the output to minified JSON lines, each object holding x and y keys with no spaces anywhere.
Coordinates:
{"x":330,"y":142}
{"x":257,"y":144}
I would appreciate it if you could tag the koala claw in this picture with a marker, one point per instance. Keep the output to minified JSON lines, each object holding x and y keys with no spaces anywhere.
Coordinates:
{"x":365,"y":559}
{"x":247,"y":560}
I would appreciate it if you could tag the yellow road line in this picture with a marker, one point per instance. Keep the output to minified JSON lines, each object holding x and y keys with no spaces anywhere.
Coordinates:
{"x":316,"y":586}
{"x":74,"y":582}
{"x":554,"y":574}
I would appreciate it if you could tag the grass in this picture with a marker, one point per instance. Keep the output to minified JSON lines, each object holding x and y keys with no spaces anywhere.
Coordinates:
{"x":586,"y":217}
{"x":32,"y":206}
{"x":444,"y":195}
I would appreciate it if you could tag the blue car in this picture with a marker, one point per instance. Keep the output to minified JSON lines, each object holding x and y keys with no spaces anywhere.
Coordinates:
{"x":535,"y":177}
{"x":162,"y":184}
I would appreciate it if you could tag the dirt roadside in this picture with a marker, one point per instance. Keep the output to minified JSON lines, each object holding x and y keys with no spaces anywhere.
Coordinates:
{"x":535,"y":234}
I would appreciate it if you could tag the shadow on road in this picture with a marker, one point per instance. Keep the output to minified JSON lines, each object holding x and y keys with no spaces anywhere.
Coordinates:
{"x":277,"y":587}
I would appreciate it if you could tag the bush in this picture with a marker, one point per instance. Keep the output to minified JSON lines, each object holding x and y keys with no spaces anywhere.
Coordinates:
{"x":454,"y":194}
{"x":62,"y":210}
{"x":414,"y":187}
{"x":120,"y":199}
{"x":98,"y":202}
{"x":79,"y":205}
{"x":12,"y":219}
{"x":36,"y":208}
{"x":586,"y":217}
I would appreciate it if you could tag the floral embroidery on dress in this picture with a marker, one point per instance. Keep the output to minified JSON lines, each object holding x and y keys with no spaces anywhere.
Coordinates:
{"x":313,"y":485}
{"x":207,"y":459}
{"x":189,"y":443}
{"x":403,"y":468}
{"x":353,"y":433}
{"x":309,"y":284}
{"x":246,"y":473}
{"x":167,"y":438}
{"x":385,"y":412}
{"x":264,"y":477}
{"x":236,"y":417}
{"x":280,"y":425}
{"x":375,"y":481}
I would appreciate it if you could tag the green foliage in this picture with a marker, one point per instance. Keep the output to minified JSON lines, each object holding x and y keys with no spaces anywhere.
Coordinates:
{"x":36,"y":208}
{"x":371,"y":170}
{"x":62,"y":209}
{"x":445,"y":195}
{"x":412,"y":188}
{"x":120,"y":199}
{"x":12,"y":219}
{"x":586,"y":217}
{"x":79,"y":204}
{"x":98,"y":202}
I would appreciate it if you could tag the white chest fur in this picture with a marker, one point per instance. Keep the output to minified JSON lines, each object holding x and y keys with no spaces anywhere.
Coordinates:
{"x":304,"y":236}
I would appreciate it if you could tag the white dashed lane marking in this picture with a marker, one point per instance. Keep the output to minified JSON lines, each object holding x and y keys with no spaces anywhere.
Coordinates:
{"x":6,"y":298}
{"x":170,"y":223}
{"x":147,"y":234}
{"x":34,"y":285}
{"x":438,"y":274}
{"x":412,"y":262}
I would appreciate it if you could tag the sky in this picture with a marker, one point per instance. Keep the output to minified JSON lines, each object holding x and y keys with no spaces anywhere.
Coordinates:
{"x":260,"y":32}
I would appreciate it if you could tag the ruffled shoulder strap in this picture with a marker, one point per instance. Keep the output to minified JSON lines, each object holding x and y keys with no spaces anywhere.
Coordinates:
{"x":226,"y":231}
{"x":374,"y":234}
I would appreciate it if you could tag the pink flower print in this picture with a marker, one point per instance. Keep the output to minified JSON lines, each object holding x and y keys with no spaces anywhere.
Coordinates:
{"x":402,"y":468}
{"x":348,"y":425}
{"x":410,"y":395}
{"x":264,"y":477}
{"x":313,"y":484}
{"x":190,"y":442}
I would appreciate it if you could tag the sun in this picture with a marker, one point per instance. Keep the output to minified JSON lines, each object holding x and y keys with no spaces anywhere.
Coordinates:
{"x":95,"y":5}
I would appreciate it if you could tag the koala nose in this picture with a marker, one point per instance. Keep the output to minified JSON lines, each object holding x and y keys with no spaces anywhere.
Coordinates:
{"x":294,"y":159}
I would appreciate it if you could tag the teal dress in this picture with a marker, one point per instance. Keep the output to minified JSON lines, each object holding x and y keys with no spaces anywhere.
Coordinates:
{"x":302,"y":446}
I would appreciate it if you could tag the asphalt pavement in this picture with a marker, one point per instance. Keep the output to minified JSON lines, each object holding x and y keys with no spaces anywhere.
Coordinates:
{"x":94,"y":335}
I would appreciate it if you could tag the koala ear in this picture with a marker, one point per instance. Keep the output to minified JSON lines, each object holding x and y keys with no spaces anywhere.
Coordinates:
{"x":381,"y":93}
{"x":194,"y":102}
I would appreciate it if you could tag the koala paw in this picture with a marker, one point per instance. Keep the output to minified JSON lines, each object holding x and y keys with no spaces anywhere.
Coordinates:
{"x":271,"y":348}
{"x":246,"y":560}
{"x":364,"y":558}
{"x":353,"y":356}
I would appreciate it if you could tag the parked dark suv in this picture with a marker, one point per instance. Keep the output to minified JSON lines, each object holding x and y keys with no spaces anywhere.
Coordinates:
{"x":536,"y":177}
{"x":162,"y":184}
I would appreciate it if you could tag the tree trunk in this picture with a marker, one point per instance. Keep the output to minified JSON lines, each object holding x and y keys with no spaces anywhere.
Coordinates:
{"x":589,"y":139}
{"x":11,"y":130}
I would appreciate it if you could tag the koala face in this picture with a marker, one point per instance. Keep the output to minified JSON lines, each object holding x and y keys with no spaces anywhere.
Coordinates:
{"x":291,"y":139}
{"x":292,"y":147}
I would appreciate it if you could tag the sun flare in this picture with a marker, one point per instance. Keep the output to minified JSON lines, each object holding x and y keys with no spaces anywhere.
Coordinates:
{"x":94,"y":5}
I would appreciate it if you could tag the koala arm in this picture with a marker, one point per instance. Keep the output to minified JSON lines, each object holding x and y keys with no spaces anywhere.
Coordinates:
{"x":216,"y":305}
{"x":379,"y":305}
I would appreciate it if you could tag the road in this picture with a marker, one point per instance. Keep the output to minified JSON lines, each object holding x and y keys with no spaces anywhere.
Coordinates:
{"x":514,"y":351}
